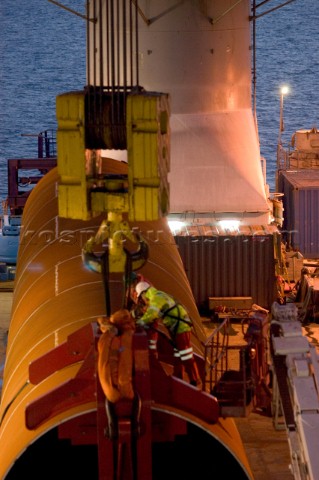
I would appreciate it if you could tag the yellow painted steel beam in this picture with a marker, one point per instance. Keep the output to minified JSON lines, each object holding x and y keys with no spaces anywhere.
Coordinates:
{"x":70,"y":112}
{"x":148,"y":155}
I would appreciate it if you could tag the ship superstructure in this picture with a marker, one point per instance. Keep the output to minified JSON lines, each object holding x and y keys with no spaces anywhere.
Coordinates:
{"x":164,"y":130}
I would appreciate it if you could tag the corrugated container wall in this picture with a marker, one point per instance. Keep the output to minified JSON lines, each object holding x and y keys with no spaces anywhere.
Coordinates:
{"x":301,"y":210}
{"x":229,"y":266}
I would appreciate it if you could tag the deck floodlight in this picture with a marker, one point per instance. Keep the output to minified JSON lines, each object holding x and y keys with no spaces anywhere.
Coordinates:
{"x":231,"y":225}
{"x":176,"y":226}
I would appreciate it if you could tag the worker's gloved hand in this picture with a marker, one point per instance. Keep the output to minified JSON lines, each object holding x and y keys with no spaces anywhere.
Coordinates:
{"x":140,"y":323}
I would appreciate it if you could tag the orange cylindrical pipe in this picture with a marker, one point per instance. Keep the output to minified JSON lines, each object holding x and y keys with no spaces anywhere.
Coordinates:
{"x":55,"y":295}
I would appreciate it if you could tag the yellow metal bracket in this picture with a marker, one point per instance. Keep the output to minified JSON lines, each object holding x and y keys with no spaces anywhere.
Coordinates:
{"x":72,"y":188}
{"x":148,"y":155}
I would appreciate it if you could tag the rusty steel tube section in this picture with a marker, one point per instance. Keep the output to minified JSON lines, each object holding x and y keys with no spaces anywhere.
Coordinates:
{"x":55,"y":295}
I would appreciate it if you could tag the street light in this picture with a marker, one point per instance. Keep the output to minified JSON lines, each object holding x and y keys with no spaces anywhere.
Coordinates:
{"x":281,"y":154}
{"x":283,"y":91}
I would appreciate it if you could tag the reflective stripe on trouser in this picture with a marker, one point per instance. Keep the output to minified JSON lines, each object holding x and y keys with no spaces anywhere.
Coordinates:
{"x":183,"y":354}
{"x":186,"y":354}
{"x":152,"y":337}
{"x":152,"y":344}
{"x":184,"y":357}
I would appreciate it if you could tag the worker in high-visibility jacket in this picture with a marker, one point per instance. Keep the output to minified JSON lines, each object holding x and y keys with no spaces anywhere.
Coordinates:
{"x":159,"y":305}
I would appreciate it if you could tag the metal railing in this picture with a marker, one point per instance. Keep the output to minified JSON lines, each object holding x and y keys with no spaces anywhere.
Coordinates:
{"x":47,"y":144}
{"x":282,"y":157}
{"x":227,"y":372}
{"x":215,"y":354}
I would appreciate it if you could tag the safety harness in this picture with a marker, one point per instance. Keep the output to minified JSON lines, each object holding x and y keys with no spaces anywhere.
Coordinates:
{"x":167,"y":313}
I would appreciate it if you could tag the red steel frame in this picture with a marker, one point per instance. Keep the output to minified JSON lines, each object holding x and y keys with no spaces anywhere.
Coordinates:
{"x":152,"y":385}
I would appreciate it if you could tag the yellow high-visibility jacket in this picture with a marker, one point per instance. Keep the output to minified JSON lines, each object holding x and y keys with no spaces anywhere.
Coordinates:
{"x":162,"y":306}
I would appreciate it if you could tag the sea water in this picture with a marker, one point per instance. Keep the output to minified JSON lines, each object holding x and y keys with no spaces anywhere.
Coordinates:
{"x":287,"y":54}
{"x":42,"y":54}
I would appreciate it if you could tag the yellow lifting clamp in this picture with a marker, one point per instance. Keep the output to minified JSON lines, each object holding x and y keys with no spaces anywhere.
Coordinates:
{"x":86,"y":191}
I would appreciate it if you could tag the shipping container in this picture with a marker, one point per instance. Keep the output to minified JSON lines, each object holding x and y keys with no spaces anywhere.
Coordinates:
{"x":300,"y":190}
{"x":240,"y":263}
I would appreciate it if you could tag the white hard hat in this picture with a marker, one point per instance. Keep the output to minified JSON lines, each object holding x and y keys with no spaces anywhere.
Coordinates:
{"x":141,"y":287}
